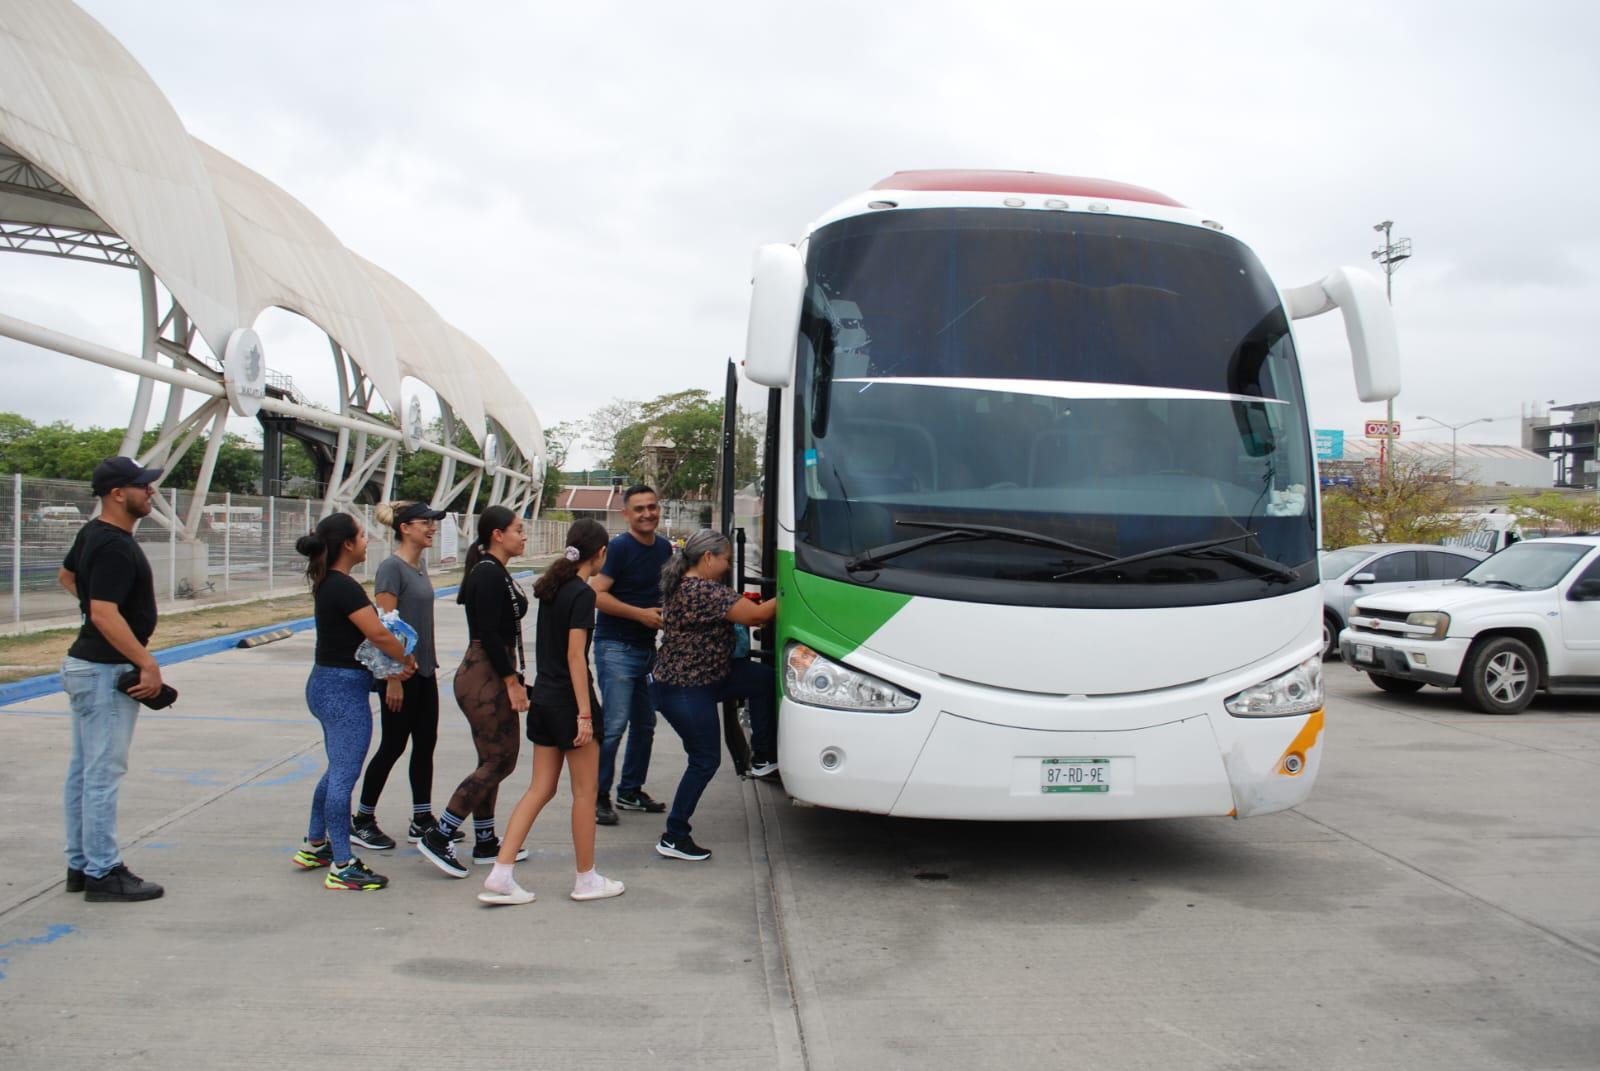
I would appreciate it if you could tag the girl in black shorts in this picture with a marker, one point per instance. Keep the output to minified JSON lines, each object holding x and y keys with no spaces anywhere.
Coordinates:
{"x":561,"y":718}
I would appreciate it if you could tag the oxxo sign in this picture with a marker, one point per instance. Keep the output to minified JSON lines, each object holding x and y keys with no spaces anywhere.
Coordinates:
{"x":244,"y":372}
{"x":1383,"y":429}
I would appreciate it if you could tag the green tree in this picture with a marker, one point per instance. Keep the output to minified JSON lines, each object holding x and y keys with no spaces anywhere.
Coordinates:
{"x":1552,"y":512}
{"x":675,"y":443}
{"x":1418,"y":503}
{"x":238,"y":467}
{"x":558,"y":443}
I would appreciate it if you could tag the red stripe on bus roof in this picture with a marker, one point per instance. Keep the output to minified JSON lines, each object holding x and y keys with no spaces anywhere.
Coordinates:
{"x":1024,"y":182}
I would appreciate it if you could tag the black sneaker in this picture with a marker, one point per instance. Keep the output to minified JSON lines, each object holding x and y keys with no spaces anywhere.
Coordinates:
{"x":639,"y":801}
{"x":75,"y":880}
{"x":762,"y":765}
{"x":365,"y":832}
{"x":119,"y":885}
{"x":682,"y":847}
{"x":603,"y":814}
{"x":484,"y":852}
{"x":415,"y":831}
{"x":436,"y":849}
{"x":354,"y":876}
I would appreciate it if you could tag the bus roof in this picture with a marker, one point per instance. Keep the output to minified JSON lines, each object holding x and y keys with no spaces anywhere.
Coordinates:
{"x":1039,"y":182}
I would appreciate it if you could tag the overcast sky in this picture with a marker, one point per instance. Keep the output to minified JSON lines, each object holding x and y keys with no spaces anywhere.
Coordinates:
{"x":580,"y":187}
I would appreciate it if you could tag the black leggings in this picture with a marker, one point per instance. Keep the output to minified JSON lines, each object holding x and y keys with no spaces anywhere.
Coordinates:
{"x":481,"y":694}
{"x":416,"y":720}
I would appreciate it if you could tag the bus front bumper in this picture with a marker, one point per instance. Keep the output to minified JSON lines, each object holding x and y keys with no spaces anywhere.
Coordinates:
{"x":942,"y":763}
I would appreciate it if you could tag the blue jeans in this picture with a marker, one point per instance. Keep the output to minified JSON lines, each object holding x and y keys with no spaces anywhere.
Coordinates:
{"x":692,"y":712}
{"x":625,"y":702}
{"x":102,"y":733}
{"x":339,"y":698}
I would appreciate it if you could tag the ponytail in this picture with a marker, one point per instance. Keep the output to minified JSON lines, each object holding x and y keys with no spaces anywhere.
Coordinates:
{"x":585,"y":539}
{"x":491,"y":520}
{"x":705,"y":541}
{"x":322,"y":545}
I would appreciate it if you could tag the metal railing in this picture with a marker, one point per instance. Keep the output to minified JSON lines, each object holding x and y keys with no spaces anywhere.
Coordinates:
{"x":244,"y":548}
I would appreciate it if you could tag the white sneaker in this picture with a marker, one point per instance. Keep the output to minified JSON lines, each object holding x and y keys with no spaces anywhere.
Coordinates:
{"x":517,"y":895}
{"x":764,"y":768}
{"x":601,"y":888}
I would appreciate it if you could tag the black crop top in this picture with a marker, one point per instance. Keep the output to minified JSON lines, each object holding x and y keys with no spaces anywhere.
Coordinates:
{"x":495,"y":607}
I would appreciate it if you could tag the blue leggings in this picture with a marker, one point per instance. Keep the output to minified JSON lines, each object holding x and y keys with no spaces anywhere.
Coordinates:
{"x":340,"y":700}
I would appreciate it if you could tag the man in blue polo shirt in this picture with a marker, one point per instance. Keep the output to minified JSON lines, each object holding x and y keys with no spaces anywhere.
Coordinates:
{"x":628,"y":603}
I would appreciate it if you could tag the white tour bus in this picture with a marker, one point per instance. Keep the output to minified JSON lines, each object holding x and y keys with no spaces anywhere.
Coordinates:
{"x":1040,"y":505}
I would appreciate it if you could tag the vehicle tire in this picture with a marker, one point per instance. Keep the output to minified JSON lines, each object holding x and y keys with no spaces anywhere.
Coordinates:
{"x":1501,"y":676}
{"x":1395,"y":685}
{"x":1330,"y":636}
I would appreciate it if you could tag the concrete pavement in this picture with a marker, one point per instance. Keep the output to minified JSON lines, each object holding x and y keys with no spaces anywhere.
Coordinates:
{"x":1435,"y":904}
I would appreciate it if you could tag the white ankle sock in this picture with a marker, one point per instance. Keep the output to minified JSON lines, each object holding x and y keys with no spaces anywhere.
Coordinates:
{"x":500,"y":879}
{"x":589,"y":880}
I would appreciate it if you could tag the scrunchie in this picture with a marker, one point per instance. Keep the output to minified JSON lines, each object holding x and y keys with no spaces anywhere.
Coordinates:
{"x":571,"y":554}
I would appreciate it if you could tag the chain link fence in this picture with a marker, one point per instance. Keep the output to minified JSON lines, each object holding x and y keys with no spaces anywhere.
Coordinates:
{"x":243,"y":547}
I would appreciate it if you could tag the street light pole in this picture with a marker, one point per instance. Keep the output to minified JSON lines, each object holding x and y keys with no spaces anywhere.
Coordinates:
{"x":1453,"y":429}
{"x":1389,"y":256}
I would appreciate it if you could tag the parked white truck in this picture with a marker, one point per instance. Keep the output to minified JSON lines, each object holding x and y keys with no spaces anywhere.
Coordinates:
{"x":1523,"y":621}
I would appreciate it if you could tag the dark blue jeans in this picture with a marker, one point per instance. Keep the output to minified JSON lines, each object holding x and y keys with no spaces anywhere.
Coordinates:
{"x":692,"y":712}
{"x":625,"y":703}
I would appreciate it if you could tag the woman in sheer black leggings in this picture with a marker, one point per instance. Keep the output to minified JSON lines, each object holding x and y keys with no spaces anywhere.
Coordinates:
{"x":488,"y":687}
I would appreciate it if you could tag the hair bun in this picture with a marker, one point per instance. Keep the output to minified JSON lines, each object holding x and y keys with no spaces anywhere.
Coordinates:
{"x":310,"y":545}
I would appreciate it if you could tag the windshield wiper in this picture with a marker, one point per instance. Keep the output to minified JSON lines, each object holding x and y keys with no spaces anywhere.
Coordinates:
{"x":960,"y":533}
{"x":1512,"y":584}
{"x":1217,"y":548}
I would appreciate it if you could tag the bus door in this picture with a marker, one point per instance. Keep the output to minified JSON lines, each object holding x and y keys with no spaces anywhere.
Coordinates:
{"x":748,"y":517}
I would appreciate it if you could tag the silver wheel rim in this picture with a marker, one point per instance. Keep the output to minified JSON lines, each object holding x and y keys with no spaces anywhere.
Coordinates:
{"x":1327,"y":634}
{"x":1506,"y":678}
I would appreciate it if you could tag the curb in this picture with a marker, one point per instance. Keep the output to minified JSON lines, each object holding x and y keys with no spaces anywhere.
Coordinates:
{"x":50,"y":683}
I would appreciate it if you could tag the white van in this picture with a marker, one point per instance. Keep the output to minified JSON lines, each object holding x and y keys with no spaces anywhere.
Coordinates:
{"x":1491,"y":532}
{"x":238,"y":522}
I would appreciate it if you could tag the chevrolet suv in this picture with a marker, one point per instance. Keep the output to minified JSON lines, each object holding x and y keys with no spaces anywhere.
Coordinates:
{"x":1523,"y":621}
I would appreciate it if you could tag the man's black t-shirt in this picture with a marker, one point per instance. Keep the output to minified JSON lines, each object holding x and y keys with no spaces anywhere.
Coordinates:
{"x":111,"y":567}
{"x":572,"y":607}
{"x":337,"y":636}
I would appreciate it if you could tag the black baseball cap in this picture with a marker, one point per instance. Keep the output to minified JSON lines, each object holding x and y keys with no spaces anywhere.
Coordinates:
{"x":417,"y":511}
{"x":115,"y":472}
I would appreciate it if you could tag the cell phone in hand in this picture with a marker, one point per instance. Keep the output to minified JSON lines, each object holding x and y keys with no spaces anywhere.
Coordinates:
{"x":160,"y":701}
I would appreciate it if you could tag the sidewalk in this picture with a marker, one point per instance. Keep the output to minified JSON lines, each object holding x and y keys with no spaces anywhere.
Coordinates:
{"x":249,"y":962}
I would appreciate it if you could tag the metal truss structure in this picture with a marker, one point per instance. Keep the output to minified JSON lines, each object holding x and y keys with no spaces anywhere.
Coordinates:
{"x":214,"y":244}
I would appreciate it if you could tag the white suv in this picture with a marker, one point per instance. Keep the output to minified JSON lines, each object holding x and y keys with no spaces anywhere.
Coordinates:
{"x":1524,"y":620}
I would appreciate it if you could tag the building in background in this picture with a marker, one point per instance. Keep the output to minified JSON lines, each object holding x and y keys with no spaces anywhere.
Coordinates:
{"x":1477,"y":463}
{"x":1569,"y":444}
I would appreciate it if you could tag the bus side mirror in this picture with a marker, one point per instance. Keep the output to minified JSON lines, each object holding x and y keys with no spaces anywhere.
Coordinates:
{"x":778,"y":291}
{"x":1368,"y":324}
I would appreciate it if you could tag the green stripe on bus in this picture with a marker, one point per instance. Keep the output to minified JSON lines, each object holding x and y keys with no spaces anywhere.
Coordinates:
{"x":842,"y":616}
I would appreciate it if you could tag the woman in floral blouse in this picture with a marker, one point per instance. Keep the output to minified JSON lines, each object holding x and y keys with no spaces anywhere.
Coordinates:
{"x":695,"y":670}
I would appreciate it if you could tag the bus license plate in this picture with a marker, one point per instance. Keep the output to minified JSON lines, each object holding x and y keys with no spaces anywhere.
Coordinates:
{"x":1075,"y":775}
{"x":1364,"y":653}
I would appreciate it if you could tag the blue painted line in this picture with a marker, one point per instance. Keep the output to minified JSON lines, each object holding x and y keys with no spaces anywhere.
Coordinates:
{"x":49,"y":937}
{"x":48,"y":684}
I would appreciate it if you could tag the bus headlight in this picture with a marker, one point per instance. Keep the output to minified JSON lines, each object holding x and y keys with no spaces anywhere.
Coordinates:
{"x":1439,"y":623}
{"x":1298,"y":691}
{"x":819,"y":681}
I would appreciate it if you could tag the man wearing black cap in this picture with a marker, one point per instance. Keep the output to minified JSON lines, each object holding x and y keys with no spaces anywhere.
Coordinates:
{"x":111,"y":577}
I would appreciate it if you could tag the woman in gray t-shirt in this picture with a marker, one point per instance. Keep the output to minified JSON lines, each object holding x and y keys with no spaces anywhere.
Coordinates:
{"x":410,"y":701}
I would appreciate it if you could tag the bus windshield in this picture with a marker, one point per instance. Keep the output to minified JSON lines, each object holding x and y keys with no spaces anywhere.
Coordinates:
{"x":1122,"y":385}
